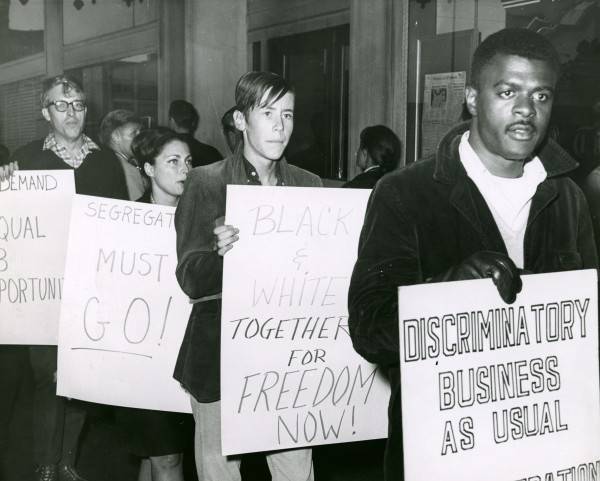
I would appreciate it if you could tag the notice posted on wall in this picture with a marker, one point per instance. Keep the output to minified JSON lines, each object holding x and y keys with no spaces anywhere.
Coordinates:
{"x":123,"y":314}
{"x":501,"y":391}
{"x":35,"y":207}
{"x":443,"y":99}
{"x":289,"y":374}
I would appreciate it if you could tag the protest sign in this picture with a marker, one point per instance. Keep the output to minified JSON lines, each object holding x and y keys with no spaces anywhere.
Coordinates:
{"x":501,"y":392}
{"x":289,"y":374}
{"x":123,"y":315}
{"x":34,"y":220}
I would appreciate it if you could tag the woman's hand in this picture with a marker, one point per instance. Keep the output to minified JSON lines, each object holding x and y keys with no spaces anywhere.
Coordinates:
{"x":225,"y":236}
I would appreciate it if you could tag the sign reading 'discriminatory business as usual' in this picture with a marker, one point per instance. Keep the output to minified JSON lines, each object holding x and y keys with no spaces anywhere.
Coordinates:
{"x":289,"y":374}
{"x":34,"y":221}
{"x":123,"y":314}
{"x":502,"y":392}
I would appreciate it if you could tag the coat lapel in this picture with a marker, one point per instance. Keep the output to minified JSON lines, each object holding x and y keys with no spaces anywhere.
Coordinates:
{"x":470,"y":204}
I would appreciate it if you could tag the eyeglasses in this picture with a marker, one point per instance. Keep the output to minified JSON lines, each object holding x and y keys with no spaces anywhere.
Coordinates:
{"x":63,"y":105}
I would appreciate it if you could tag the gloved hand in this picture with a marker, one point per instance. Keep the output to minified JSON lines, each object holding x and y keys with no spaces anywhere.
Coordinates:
{"x":484,"y":264}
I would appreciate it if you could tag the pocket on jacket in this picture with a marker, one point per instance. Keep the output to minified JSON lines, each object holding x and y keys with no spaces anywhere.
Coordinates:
{"x":565,"y":261}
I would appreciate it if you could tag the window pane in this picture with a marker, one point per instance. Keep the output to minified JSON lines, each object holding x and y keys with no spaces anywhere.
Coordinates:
{"x":21,"y":29}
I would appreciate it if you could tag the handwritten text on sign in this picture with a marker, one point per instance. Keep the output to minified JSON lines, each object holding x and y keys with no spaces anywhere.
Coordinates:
{"x":123,"y":314}
{"x":516,"y":384}
{"x":34,"y":220}
{"x":289,"y":374}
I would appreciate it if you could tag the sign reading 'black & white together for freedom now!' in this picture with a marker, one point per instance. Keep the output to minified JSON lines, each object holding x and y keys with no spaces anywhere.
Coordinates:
{"x":289,"y":374}
{"x":501,"y":392}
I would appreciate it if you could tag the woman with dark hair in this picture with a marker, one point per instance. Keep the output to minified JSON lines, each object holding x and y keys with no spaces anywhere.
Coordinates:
{"x":159,"y":437}
{"x":378,"y":153}
{"x":165,"y":159}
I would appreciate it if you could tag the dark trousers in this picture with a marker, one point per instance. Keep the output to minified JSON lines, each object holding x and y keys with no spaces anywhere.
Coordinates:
{"x":13,"y":368}
{"x":57,"y":423}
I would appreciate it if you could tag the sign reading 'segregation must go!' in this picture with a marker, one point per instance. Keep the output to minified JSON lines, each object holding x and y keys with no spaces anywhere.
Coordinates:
{"x":501,"y":392}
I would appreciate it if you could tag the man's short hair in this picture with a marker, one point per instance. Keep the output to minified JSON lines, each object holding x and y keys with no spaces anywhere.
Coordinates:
{"x":184,"y":114}
{"x":69,"y":85}
{"x":513,"y":41}
{"x":252,"y":86}
{"x":114,"y":120}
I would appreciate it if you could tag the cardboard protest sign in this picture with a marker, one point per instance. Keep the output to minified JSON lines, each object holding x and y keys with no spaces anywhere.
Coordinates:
{"x":501,"y":392}
{"x":34,"y":220}
{"x":123,"y":315}
{"x":289,"y":374}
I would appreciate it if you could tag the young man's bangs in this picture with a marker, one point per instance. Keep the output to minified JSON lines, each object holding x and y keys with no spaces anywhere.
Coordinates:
{"x":271,"y":96}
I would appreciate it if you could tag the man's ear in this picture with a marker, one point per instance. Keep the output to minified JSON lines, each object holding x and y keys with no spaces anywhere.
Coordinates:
{"x":471,"y":100}
{"x":149,"y":169}
{"x":45,"y":114}
{"x":239,"y":120}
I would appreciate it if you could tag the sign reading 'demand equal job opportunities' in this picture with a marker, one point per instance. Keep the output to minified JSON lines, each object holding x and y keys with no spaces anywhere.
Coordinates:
{"x":123,"y":314}
{"x":501,"y":392}
{"x":34,"y":220}
{"x":289,"y":374}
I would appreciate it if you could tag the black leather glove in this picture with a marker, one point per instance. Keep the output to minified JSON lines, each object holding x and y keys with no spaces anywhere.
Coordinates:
{"x":484,"y":264}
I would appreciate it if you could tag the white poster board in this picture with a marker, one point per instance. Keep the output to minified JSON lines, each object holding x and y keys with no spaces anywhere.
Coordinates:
{"x":123,"y":314}
{"x":496,"y":391}
{"x":289,"y":374}
{"x":34,"y":220}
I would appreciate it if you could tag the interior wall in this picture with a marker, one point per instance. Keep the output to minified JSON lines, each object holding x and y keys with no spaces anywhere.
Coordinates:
{"x":378,"y":50}
{"x":276,"y":18}
{"x":216,"y":42}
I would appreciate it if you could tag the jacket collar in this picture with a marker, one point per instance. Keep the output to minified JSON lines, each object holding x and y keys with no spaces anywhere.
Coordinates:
{"x":238,"y":174}
{"x":554,"y":158}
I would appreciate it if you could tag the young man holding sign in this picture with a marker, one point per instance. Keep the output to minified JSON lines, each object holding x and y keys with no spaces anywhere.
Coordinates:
{"x":265,"y":117}
{"x":491,"y":201}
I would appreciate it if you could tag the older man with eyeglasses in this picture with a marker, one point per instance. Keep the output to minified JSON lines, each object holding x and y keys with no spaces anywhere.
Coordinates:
{"x":57,"y":423}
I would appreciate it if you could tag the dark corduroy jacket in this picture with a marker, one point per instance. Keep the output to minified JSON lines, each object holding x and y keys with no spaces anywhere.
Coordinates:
{"x":430,"y":216}
{"x":100,"y":173}
{"x":200,"y":267}
{"x":366,"y":180}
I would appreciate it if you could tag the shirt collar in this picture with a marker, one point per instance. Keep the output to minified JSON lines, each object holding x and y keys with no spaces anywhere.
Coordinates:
{"x":533,"y":169}
{"x":252,"y":177}
{"x":75,"y":159}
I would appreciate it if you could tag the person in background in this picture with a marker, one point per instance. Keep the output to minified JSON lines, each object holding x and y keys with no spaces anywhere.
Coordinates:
{"x":378,"y":153}
{"x":492,"y":200}
{"x":159,"y":438}
{"x":117,"y":131}
{"x":233,"y":136}
{"x":57,"y":423}
{"x":184,"y":119}
{"x":265,"y":116}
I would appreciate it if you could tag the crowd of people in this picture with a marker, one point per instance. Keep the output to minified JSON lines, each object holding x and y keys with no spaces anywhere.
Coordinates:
{"x":492,"y":202}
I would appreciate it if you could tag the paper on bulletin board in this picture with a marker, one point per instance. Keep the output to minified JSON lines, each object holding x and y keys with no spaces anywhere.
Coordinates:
{"x":496,"y":391}
{"x":289,"y":375}
{"x":443,"y":99}
{"x":35,"y":206}
{"x":123,"y":315}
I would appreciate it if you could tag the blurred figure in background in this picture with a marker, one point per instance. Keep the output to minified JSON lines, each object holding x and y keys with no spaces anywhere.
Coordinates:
{"x":158,"y":437}
{"x":378,"y":153}
{"x":233,"y":136}
{"x":117,"y":131}
{"x":183,"y":119}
